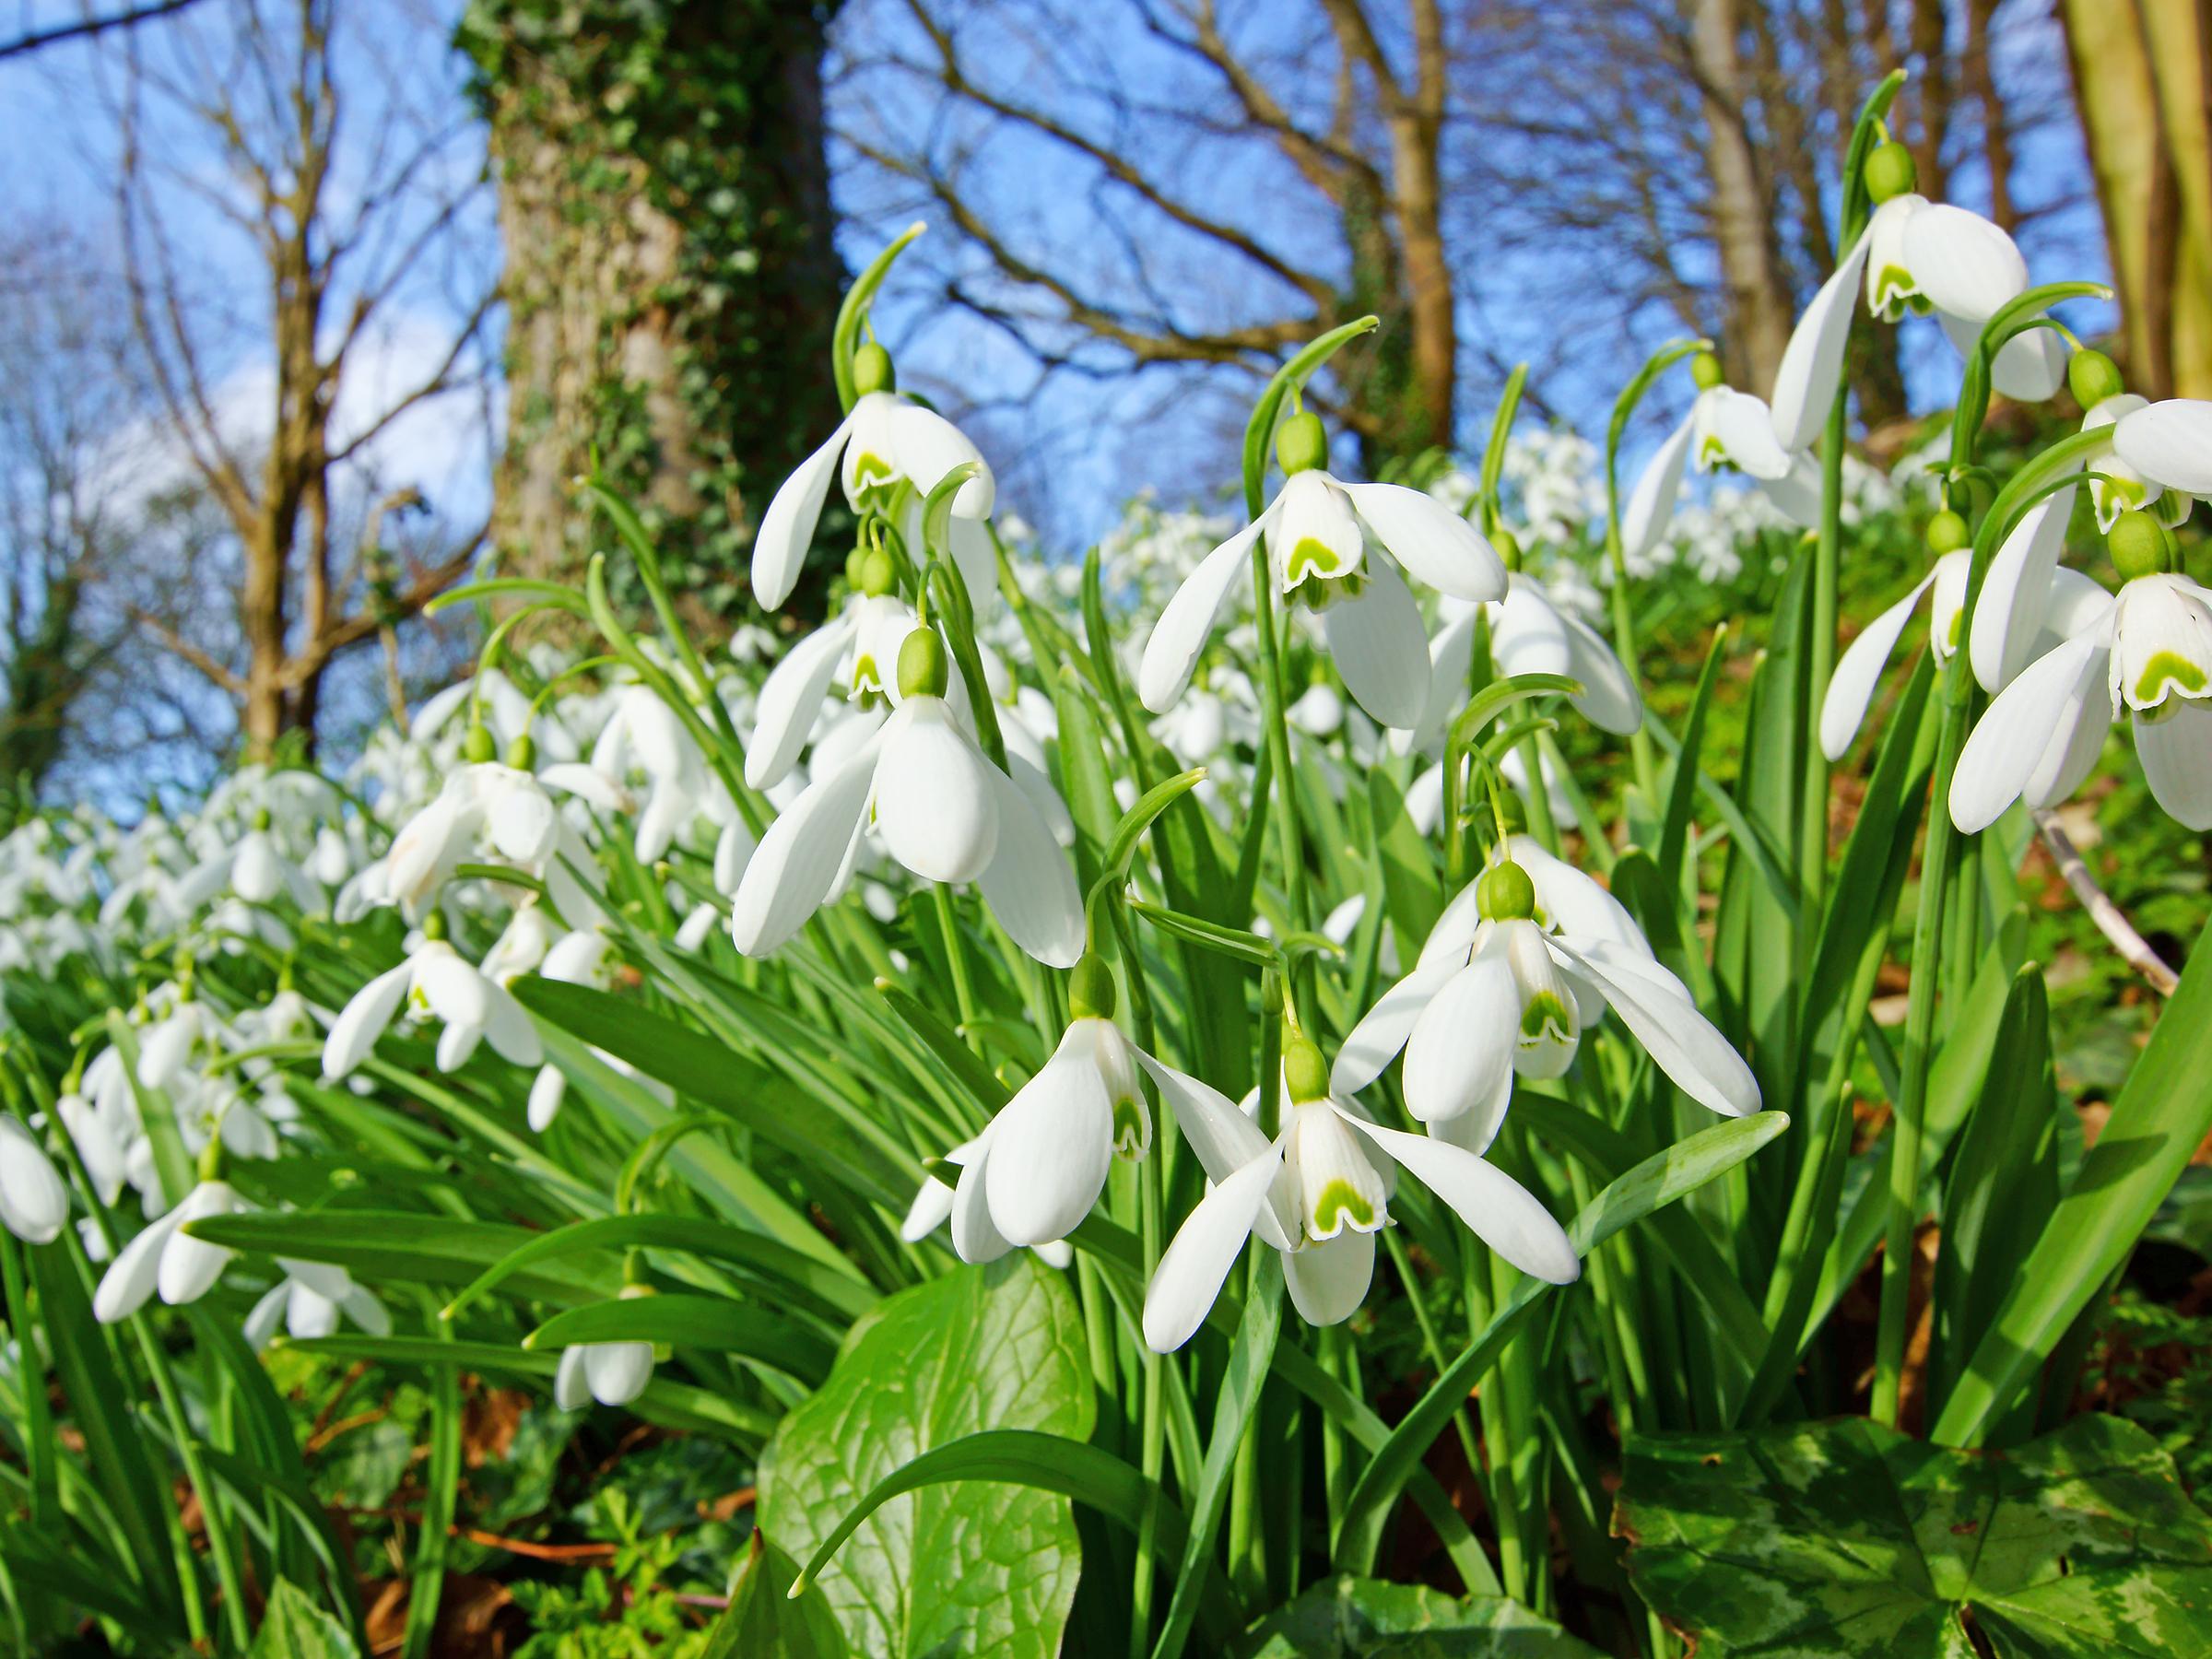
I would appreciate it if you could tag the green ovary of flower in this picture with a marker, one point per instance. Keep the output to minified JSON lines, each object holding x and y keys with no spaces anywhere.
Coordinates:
{"x":2165,"y":669}
{"x":1341,"y":1204}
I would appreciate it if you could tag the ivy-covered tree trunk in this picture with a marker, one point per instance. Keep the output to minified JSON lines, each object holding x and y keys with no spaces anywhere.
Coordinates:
{"x":670,"y":276}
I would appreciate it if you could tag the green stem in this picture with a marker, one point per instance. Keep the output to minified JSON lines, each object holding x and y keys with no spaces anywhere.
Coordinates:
{"x":956,"y":954}
{"x":1812,"y":851}
{"x":222,"y":1541}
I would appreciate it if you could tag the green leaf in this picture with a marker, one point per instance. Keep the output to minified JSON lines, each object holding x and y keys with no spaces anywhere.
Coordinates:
{"x":1347,"y":1618}
{"x":965,"y":1567}
{"x":1658,"y":1180}
{"x":1849,"y":1538}
{"x":2160,"y":1118}
{"x":763,"y":1619}
{"x":401,"y":1247}
{"x":844,"y":334}
{"x":294,"y":1627}
{"x":715,"y":1323}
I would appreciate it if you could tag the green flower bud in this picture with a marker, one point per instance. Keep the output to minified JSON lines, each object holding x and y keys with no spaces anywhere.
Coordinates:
{"x":1705,"y":369}
{"x":872,"y":370}
{"x":922,"y":670}
{"x":522,"y":754}
{"x":1947,"y":533}
{"x":1302,"y":444}
{"x":856,"y":561}
{"x":878,"y":575}
{"x":433,"y":925}
{"x":260,"y":817}
{"x":1304,"y":1070}
{"x":1504,"y":893}
{"x":478,"y":746}
{"x":1889,"y":171}
{"x":1091,"y":993}
{"x":2093,"y":377}
{"x":1507,"y":546}
{"x":2142,"y":547}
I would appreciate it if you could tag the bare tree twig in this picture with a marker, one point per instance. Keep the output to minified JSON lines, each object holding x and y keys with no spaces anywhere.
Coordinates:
{"x":85,"y":27}
{"x":2111,"y":921}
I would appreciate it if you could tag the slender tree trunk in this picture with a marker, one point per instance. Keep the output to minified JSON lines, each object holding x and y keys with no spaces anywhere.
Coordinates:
{"x":1759,"y":308}
{"x":2143,"y":83}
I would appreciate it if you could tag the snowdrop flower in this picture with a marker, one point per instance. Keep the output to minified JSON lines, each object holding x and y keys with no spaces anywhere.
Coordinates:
{"x":102,"y":1144}
{"x":165,"y":1258}
{"x":644,"y":732}
{"x":1317,"y":532}
{"x":1725,"y":431}
{"x":1038,"y":1166}
{"x":1318,"y":1194}
{"x":885,"y":442}
{"x":170,"y":1045}
{"x":2152,"y":649}
{"x":435,"y":980}
{"x":939,"y":807}
{"x":934,"y":1203}
{"x":614,"y":1373}
{"x":34,"y":1202}
{"x":2168,"y":443}
{"x":1528,"y":954}
{"x":484,"y":801}
{"x":307,"y":1302}
{"x":1919,"y":256}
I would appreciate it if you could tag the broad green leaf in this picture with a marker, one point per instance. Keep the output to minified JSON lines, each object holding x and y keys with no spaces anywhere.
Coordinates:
{"x":2159,"y":1120}
{"x":1657,"y":1181}
{"x":1846,"y":1538}
{"x":763,"y":1618}
{"x":295,"y":1627}
{"x":960,"y":1568}
{"x":1347,"y":1618}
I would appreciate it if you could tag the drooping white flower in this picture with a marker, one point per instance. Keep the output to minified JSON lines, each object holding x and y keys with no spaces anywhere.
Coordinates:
{"x":938,"y":805}
{"x":307,"y":1302}
{"x":1725,"y":431}
{"x":1318,"y":1192}
{"x":1337,"y":549}
{"x":885,"y":442}
{"x":2147,"y":654}
{"x":163,"y":1257}
{"x":860,"y":647}
{"x":435,"y":981}
{"x":33,"y":1203}
{"x":2168,"y":443}
{"x":1521,"y":961}
{"x":614,"y":1373}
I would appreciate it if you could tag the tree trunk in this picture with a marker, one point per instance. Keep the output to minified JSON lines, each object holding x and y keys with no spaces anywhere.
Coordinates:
{"x":2143,"y":83}
{"x":670,"y":277}
{"x":1759,"y":311}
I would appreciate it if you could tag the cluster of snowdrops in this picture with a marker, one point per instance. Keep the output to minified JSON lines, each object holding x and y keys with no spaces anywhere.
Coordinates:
{"x":905,"y":746}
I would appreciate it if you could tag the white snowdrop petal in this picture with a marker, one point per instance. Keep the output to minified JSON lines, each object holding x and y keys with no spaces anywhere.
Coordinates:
{"x":1652,"y":1002}
{"x":2170,"y":442}
{"x":1459,"y":1057}
{"x":1859,"y":670}
{"x":1224,"y":1139}
{"x":190,"y":1266}
{"x":1811,"y":373}
{"x":1190,"y":1271}
{"x":928,"y":446}
{"x":2176,"y":752}
{"x":34,"y":1202}
{"x":1177,"y":639}
{"x":798,"y":859}
{"x":1374,"y":1042}
{"x":975,"y":1237}
{"x":2013,"y":732}
{"x":364,"y":1019}
{"x":1430,"y":540}
{"x":1964,"y":264}
{"x":931,"y":1209}
{"x":1496,"y":1207}
{"x":571,"y":1385}
{"x":1740,"y":424}
{"x":786,"y":528}
{"x":935,"y":807}
{"x":1609,"y":699}
{"x":1381,"y":647}
{"x":2015,"y":593}
{"x":1650,"y":506}
{"x":1328,"y":1281}
{"x":1029,"y":884}
{"x":128,"y":1284}
{"x":791,"y":701}
{"x":617,"y":1373}
{"x":508,"y":1028}
{"x":1051,"y":1150}
{"x":456,"y":993}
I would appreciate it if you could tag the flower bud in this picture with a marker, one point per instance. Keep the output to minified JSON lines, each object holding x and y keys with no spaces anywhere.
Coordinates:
{"x":1706,"y":370}
{"x":2142,"y":547}
{"x":922,"y":670}
{"x":1504,"y":893}
{"x":2093,"y":377}
{"x":878,"y":575}
{"x":1302,"y":444}
{"x":521,"y":753}
{"x":1091,"y":993}
{"x":856,"y":561}
{"x":478,"y":746}
{"x":433,"y":925}
{"x":1889,"y":171}
{"x":260,"y":817}
{"x":1304,"y":1072}
{"x":1947,"y":533}
{"x":872,"y":370}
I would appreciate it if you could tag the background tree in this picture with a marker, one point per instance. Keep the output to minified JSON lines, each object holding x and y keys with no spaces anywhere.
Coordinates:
{"x":300,"y":141}
{"x":2143,"y":75}
{"x":670,"y":276}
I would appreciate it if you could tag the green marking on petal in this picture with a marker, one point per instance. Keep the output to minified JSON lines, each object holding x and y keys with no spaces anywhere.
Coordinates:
{"x":1340,"y":1199}
{"x":2167,"y":667}
{"x":1546,"y":1017}
{"x":1131,"y":1128}
{"x":870,"y":468}
{"x":1312,"y":558}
